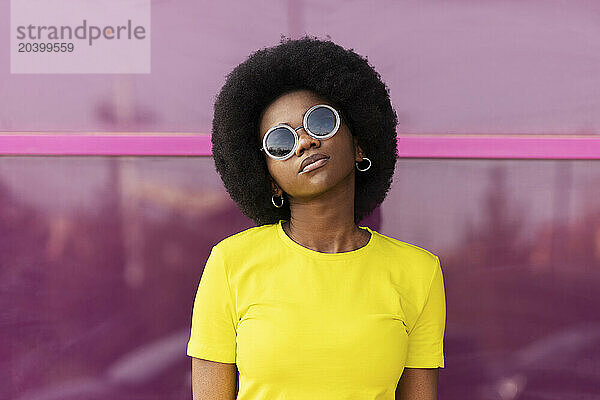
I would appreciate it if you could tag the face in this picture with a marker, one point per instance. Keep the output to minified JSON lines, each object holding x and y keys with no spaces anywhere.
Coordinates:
{"x":342,"y":149}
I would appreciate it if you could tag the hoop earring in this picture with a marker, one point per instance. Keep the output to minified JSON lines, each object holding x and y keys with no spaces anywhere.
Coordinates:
{"x":362,"y":170}
{"x":273,"y":201}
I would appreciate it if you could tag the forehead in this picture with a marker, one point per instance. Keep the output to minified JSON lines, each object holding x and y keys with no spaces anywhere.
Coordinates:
{"x":288,"y":109}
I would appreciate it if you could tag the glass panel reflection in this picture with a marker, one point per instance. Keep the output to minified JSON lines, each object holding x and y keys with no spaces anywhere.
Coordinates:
{"x":100,"y":258}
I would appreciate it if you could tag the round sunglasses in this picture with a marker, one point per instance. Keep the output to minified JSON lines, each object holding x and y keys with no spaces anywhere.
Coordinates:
{"x":320,"y":122}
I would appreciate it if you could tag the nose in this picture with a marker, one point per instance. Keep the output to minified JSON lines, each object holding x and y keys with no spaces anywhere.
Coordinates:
{"x":305,"y":141}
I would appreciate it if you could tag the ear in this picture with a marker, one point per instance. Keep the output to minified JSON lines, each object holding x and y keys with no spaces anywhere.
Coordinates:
{"x":274,"y":188}
{"x":358,"y":151}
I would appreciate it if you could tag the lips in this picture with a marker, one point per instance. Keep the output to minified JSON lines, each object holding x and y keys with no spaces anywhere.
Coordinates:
{"x":311,"y":159}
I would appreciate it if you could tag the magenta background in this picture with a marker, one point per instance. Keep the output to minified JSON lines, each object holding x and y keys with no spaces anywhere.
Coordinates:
{"x":100,"y":256}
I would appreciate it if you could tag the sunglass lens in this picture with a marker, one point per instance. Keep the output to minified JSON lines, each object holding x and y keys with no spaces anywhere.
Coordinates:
{"x":280,"y":142}
{"x":321,"y":121}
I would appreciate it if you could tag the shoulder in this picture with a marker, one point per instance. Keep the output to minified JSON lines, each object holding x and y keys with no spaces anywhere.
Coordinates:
{"x":413,"y":259}
{"x":246,"y":240}
{"x":411,"y":268}
{"x":406,"y":248}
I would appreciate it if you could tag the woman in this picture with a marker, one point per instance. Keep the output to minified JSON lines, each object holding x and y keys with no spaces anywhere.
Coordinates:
{"x":308,"y":305}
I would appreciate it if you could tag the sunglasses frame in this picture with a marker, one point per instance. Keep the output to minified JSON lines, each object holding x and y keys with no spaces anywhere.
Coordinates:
{"x":294,"y":131}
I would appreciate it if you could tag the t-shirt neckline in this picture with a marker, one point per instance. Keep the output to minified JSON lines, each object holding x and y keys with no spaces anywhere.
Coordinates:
{"x":325,"y":256}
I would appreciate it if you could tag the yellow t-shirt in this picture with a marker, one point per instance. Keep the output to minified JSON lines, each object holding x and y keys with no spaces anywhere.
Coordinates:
{"x":302,"y":324}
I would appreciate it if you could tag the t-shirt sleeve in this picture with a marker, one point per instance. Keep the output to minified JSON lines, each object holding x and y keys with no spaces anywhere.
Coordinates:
{"x":426,"y":339}
{"x":213,"y":334}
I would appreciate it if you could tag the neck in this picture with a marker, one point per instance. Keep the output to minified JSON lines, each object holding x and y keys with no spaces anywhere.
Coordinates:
{"x":325,"y":223}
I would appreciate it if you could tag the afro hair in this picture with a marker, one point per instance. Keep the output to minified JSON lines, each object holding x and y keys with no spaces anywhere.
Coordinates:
{"x":340,"y":76}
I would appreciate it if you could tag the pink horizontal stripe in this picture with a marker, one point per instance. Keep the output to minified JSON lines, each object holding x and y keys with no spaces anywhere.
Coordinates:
{"x":106,"y":144}
{"x":409,"y":146}
{"x":500,"y":146}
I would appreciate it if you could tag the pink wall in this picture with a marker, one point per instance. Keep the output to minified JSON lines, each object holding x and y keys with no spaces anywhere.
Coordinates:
{"x":103,"y":239}
{"x":452,"y":67}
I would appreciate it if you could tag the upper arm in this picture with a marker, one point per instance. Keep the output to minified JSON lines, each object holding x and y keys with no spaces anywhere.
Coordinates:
{"x":419,"y":379}
{"x":418,"y":384}
{"x":212,"y":343}
{"x":213,"y":380}
{"x":426,"y":337}
{"x":213,"y":332}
